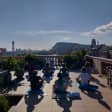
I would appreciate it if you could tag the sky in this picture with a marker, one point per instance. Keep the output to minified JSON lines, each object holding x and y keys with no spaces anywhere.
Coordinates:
{"x":39,"y":24}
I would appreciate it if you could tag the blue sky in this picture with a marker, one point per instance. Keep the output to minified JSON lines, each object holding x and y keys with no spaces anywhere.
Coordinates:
{"x":39,"y":24}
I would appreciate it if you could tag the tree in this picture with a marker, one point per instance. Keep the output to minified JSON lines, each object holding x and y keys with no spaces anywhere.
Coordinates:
{"x":9,"y":63}
{"x":75,"y":60}
{"x":4,"y":105}
{"x":32,"y":59}
{"x":68,"y":59}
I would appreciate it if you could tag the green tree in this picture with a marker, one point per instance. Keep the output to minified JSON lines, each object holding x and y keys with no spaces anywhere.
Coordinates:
{"x":4,"y":105}
{"x":9,"y":63}
{"x":68,"y":59}
{"x":75,"y":60}
{"x":35,"y":60}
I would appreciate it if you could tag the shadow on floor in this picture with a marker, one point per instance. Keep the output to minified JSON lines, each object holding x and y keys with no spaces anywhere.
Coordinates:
{"x":31,"y":100}
{"x":93,"y":79}
{"x":65,"y":104}
{"x":98,"y":96}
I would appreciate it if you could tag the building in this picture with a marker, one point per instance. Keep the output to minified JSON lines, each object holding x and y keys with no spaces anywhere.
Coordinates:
{"x":93,"y":48}
{"x":101,"y":50}
{"x":93,"y":43}
{"x":3,"y":51}
{"x":13,"y":48}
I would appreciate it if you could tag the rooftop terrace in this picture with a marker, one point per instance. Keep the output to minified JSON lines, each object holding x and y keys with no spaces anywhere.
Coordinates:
{"x":100,"y":101}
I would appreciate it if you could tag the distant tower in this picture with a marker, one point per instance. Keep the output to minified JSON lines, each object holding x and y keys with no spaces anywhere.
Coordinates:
{"x":98,"y":43}
{"x":13,"y":47}
{"x":93,"y":43}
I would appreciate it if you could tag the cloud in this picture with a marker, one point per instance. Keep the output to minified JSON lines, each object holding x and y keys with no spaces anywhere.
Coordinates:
{"x":99,"y":30}
{"x":67,"y":38}
{"x":44,"y":32}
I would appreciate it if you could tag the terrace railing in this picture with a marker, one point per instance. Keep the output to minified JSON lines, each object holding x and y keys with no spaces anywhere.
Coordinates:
{"x":100,"y":64}
{"x":109,"y":78}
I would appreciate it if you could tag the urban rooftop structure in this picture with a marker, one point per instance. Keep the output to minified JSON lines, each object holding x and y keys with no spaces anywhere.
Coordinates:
{"x":55,"y":55}
{"x":87,"y":101}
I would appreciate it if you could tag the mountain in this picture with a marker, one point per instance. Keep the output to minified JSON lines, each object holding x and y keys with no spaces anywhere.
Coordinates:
{"x":64,"y":47}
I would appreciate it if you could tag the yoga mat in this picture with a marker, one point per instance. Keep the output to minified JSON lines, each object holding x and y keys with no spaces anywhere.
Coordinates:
{"x":59,"y":95}
{"x":71,"y":95}
{"x":74,"y":95}
{"x":36,"y":91}
{"x":87,"y":87}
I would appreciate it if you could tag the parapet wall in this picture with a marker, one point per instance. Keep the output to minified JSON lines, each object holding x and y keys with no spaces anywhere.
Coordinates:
{"x":101,"y":65}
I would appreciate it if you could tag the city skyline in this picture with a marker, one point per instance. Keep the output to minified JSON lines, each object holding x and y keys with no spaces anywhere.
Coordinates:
{"x":39,"y":24}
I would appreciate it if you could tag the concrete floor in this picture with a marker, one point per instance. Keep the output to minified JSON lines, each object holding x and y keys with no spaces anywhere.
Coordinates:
{"x":89,"y":102}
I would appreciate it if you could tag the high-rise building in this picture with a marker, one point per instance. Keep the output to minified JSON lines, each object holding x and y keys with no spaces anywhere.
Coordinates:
{"x":13,"y":47}
{"x":93,"y":43}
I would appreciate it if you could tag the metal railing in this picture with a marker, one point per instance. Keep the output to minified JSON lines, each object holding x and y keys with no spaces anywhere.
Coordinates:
{"x":109,"y":78}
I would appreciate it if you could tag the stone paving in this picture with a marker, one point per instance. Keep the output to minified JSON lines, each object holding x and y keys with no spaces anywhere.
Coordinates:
{"x":89,"y":102}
